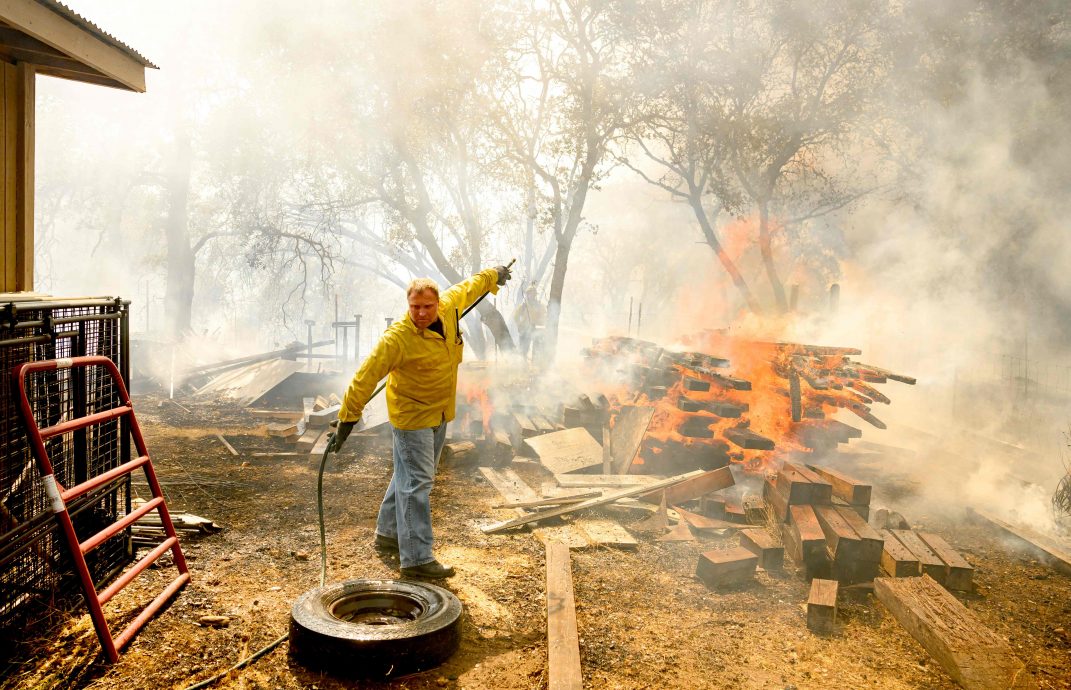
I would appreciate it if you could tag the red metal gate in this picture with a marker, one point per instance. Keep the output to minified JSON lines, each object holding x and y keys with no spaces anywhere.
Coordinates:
{"x":59,"y":496}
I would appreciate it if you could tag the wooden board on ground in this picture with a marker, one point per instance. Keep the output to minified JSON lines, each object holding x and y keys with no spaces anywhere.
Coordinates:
{"x":513,"y":489}
{"x":563,"y":641}
{"x":584,"y":481}
{"x":606,"y":532}
{"x":608,"y":497}
{"x":972,"y":654}
{"x":566,"y":451}
{"x":322,"y":440}
{"x":1056,"y":554}
{"x":629,"y":427}
{"x":725,"y":567}
{"x":307,"y":440}
{"x":702,"y":522}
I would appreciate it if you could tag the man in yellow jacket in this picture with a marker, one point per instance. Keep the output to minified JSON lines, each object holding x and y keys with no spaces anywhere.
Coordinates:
{"x":419,"y":354}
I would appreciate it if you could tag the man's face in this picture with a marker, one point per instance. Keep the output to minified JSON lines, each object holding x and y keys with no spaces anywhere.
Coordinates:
{"x":423,"y":308}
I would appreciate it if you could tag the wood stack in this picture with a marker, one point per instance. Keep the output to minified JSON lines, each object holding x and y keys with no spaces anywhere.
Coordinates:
{"x":909,"y":553}
{"x":820,"y":512}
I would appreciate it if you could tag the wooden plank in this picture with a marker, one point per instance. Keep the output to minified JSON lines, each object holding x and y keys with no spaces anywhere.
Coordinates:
{"x":606,"y":532}
{"x":822,"y":606}
{"x":851,"y":491}
{"x":322,"y":440}
{"x":510,"y":486}
{"x":776,"y":500}
{"x":286,"y":429}
{"x":229,"y":447}
{"x":583,"y":481}
{"x":7,"y":113}
{"x":1057,"y":555}
{"x":307,"y":440}
{"x":590,"y":503}
{"x":931,"y":564}
{"x":960,"y":574}
{"x":696,"y":486}
{"x":630,"y":425}
{"x":563,"y":642}
{"x":702,"y":522}
{"x":318,"y":419}
{"x":896,"y":559}
{"x":726,"y":567}
{"x":549,"y":501}
{"x":973,"y":655}
{"x":566,"y":451}
{"x":758,"y":541}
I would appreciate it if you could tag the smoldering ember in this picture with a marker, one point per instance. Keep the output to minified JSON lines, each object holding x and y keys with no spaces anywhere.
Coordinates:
{"x":535,"y":344}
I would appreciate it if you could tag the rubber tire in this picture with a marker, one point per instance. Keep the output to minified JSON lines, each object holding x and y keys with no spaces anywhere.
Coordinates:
{"x":321,"y":641}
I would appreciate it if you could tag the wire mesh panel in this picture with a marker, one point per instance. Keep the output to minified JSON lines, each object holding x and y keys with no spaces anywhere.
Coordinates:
{"x":36,"y":573}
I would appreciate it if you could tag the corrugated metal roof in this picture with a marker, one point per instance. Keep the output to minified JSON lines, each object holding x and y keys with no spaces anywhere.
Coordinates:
{"x":62,"y":10}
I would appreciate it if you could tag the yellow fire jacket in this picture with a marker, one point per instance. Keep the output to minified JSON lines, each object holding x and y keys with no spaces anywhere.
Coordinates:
{"x":420,"y":365}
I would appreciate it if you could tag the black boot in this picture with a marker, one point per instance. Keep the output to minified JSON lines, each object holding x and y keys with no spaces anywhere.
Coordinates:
{"x":429,"y":571}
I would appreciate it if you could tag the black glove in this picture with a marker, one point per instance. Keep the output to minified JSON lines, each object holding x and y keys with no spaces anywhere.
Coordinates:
{"x":503,"y":274}
{"x":336,"y":438}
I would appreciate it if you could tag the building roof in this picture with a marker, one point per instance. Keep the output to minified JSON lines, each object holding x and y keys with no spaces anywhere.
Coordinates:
{"x":63,"y":10}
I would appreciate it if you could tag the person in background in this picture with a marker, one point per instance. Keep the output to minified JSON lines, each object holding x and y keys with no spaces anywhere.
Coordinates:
{"x":419,"y":354}
{"x":530,"y":316}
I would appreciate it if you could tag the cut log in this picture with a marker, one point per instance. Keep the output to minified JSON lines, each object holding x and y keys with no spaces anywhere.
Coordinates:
{"x":563,"y":641}
{"x":726,"y":567}
{"x":851,"y":491}
{"x":896,"y":559}
{"x":971,"y":653}
{"x":822,"y":606}
{"x":931,"y":565}
{"x":566,"y":451}
{"x":758,"y":541}
{"x":960,"y":573}
{"x":748,"y":440}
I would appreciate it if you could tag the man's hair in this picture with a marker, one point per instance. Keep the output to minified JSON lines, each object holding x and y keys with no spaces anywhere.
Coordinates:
{"x":420,"y":285}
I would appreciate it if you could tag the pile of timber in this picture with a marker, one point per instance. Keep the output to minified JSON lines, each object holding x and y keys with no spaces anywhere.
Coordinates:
{"x":307,"y":431}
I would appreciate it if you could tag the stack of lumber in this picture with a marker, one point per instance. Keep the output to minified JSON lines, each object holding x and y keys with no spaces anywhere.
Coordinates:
{"x":820,"y":513}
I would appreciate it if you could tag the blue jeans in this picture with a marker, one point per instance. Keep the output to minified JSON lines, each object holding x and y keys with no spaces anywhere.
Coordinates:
{"x":406,"y":509}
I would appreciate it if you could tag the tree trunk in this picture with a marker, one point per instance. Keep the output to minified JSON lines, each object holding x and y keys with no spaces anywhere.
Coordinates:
{"x":723,"y":257}
{"x":181,"y":266}
{"x":557,"y":286}
{"x":767,"y":257}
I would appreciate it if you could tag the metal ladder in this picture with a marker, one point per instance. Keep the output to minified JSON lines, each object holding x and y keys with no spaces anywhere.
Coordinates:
{"x":59,"y":496}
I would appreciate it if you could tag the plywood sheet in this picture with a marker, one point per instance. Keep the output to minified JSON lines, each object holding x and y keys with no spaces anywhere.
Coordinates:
{"x":568,"y":450}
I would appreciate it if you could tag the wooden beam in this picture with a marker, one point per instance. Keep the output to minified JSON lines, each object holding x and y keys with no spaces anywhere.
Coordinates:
{"x":971,"y":653}
{"x":24,"y":176}
{"x":1055,"y":554}
{"x":694,"y":487}
{"x":851,"y":491}
{"x":49,"y":27}
{"x":822,"y":606}
{"x":563,"y":641}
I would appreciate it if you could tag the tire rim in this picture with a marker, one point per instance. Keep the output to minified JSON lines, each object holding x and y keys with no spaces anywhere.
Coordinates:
{"x":377,"y":608}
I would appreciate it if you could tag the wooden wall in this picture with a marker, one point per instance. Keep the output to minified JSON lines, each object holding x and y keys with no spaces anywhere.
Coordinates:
{"x":16,"y":175}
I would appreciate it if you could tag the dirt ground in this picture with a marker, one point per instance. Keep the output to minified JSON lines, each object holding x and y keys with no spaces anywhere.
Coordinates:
{"x":644,"y":620}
